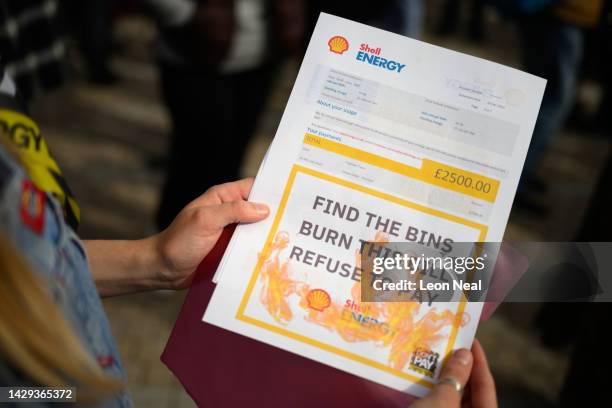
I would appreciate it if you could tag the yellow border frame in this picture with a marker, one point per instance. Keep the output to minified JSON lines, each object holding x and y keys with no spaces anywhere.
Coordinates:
{"x":336,"y":350}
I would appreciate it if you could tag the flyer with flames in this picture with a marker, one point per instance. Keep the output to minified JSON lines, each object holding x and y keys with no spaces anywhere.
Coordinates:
{"x":384,"y":139}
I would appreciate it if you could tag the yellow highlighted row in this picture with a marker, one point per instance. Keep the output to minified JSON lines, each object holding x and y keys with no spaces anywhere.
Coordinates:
{"x":432,"y":172}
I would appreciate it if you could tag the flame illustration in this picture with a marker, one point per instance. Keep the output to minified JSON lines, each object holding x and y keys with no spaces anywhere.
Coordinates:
{"x":277,"y":285}
{"x":390,"y":325}
{"x":338,"y":44}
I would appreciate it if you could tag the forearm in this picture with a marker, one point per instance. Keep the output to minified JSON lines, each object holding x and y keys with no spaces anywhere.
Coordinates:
{"x":122,"y":267}
{"x":169,"y":259}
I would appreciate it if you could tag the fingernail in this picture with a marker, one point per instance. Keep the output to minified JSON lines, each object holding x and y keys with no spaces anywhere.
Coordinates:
{"x":261,"y":209}
{"x":462,"y":356}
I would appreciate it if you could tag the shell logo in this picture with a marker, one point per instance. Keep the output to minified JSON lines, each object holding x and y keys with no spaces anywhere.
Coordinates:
{"x":318,"y":299}
{"x":338,"y":44}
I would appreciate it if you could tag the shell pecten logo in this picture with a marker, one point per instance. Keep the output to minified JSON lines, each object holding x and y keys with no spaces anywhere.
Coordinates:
{"x":318,"y":299}
{"x":338,"y":44}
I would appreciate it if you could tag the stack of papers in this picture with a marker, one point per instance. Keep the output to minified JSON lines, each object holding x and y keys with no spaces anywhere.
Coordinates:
{"x":384,"y":138}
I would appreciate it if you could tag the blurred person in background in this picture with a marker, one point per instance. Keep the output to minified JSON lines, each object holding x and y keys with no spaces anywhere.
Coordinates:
{"x":596,"y":67}
{"x":405,"y":17}
{"x":583,"y":327}
{"x":552,"y":41}
{"x":53,"y":329}
{"x":31,"y":47}
{"x":603,"y":48}
{"x":91,"y":25}
{"x":451,"y":16}
{"x":401,"y":16}
{"x":587,"y":377}
{"x":217,"y":60}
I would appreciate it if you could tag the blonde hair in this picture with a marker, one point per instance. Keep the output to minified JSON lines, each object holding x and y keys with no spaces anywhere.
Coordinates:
{"x":36,"y":338}
{"x":34,"y":335}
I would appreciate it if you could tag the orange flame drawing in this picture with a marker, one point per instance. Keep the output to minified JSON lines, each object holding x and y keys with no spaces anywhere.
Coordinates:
{"x":338,"y":44}
{"x":277,"y":285}
{"x":391,"y":325}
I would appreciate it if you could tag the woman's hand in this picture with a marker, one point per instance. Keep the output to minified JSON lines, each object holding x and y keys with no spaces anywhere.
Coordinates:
{"x":196,"y":229}
{"x":169,"y":259}
{"x":463,"y":367}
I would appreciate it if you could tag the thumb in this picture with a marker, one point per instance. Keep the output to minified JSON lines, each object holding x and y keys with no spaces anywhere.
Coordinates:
{"x":239,"y":211}
{"x":457,"y":367}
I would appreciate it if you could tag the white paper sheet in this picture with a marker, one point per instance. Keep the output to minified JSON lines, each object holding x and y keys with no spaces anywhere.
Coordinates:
{"x":390,"y":127}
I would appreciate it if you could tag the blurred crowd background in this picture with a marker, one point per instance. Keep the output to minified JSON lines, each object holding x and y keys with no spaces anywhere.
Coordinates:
{"x":145,"y":104}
